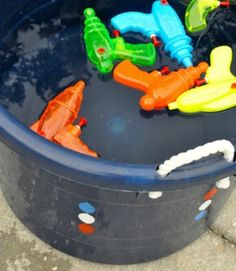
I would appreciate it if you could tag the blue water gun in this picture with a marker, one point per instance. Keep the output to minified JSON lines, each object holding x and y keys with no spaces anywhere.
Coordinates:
{"x":163,"y":22}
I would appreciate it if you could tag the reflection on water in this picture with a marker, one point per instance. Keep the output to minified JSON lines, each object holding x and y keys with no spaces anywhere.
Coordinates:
{"x":35,"y":63}
{"x":46,"y":53}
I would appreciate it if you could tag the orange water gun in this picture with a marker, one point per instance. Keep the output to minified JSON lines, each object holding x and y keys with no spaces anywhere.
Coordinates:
{"x":68,"y":137}
{"x":60,"y":111}
{"x":160,"y":89}
{"x":56,"y":122}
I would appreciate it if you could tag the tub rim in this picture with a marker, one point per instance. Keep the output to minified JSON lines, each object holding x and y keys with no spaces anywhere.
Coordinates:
{"x":101,"y":172}
{"x":104,"y":173}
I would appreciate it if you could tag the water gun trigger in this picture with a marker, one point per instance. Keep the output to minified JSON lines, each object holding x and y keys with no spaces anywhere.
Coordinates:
{"x":136,"y":22}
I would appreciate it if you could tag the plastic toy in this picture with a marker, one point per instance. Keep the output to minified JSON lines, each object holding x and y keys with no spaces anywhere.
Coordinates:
{"x":163,"y":22}
{"x":68,"y":137}
{"x":102,"y":50}
{"x":197,"y":12}
{"x":55,"y":124}
{"x":160,"y":89}
{"x":220,"y":91}
{"x":60,"y":111}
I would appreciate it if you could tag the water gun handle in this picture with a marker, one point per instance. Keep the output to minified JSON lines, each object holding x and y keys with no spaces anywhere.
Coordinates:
{"x":130,"y":75}
{"x":142,"y":54}
{"x":69,"y":137}
{"x":220,"y":70}
{"x":136,"y":22}
{"x":197,"y":12}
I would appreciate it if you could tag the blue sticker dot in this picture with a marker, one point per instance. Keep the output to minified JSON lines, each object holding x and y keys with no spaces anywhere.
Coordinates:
{"x":86,"y":207}
{"x":200,"y":215}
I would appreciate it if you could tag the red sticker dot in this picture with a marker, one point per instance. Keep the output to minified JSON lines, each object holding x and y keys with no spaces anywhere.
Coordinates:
{"x":101,"y":50}
{"x":86,"y":229}
{"x":211,"y":193}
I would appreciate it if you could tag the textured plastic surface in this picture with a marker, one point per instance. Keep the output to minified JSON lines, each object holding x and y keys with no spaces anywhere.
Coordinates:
{"x":138,"y":215}
{"x":220,"y":91}
{"x":103,"y":50}
{"x":159,"y":89}
{"x":60,"y":111}
{"x":68,"y":137}
{"x":163,"y":22}
{"x":197,"y":12}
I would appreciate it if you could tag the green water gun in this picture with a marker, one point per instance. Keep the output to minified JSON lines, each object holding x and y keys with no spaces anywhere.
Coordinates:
{"x":102,"y":50}
{"x":197,"y":12}
{"x":218,"y":94}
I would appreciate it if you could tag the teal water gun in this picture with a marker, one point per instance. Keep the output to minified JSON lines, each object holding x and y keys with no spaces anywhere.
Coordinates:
{"x":162,"y":22}
{"x":198,"y":11}
{"x":102,"y":50}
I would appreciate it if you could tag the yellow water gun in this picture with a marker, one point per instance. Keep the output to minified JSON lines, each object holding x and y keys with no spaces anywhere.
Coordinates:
{"x":218,"y":94}
{"x":198,"y":11}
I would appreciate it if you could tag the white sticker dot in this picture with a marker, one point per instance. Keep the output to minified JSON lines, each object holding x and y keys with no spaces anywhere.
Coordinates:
{"x":86,"y":218}
{"x":223,"y":184}
{"x":205,"y":205}
{"x":155,"y":194}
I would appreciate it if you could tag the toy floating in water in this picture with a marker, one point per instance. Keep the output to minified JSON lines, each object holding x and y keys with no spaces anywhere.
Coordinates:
{"x":103,"y":50}
{"x":60,"y":111}
{"x":163,"y":22}
{"x":58,"y":117}
{"x":68,"y":137}
{"x":160,"y":89}
{"x":220,"y":91}
{"x":197,"y":12}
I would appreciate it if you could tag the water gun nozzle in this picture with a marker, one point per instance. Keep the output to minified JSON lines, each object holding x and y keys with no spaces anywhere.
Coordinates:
{"x":89,"y":12}
{"x":172,"y":106}
{"x":203,"y":66}
{"x":81,"y":85}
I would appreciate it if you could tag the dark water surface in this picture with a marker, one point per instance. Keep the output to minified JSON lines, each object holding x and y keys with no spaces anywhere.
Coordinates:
{"x":43,"y":53}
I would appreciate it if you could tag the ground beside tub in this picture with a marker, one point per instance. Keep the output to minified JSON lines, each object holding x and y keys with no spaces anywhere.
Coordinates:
{"x":22,"y":251}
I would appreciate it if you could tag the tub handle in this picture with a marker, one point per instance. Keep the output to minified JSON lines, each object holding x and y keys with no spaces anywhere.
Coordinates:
{"x":184,"y":158}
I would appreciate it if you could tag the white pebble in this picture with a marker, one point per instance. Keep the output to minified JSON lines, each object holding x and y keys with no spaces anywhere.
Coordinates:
{"x":155,"y":195}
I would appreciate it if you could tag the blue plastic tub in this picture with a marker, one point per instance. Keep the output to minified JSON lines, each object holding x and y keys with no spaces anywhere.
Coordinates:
{"x":129,"y":212}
